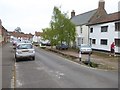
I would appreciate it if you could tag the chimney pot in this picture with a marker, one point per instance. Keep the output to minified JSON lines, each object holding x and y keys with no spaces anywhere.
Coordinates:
{"x":101,"y":4}
{"x":72,"y":13}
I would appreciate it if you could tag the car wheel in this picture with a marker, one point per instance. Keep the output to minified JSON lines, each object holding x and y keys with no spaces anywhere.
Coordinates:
{"x":17,"y":60}
{"x":33,"y":58}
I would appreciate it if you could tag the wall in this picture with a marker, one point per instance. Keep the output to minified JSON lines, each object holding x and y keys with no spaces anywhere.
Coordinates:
{"x":83,"y":35}
{"x":111,"y":34}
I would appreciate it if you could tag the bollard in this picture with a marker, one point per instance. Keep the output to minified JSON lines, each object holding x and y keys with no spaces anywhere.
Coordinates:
{"x":89,"y":58}
{"x":80,"y":56}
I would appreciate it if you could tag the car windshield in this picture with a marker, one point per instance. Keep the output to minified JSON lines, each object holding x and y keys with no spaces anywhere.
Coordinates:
{"x":85,"y":46}
{"x":24,"y":46}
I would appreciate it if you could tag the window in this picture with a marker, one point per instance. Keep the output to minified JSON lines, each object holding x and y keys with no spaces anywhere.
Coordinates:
{"x":117,"y":26}
{"x":82,"y":40}
{"x":93,"y":41}
{"x":91,"y":30}
{"x":104,"y":28}
{"x":103,"y":41}
{"x":81,"y":30}
{"x":24,"y":46}
{"x":117,"y":42}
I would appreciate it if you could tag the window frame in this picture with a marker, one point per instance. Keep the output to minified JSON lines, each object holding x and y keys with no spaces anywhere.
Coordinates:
{"x":102,"y":42}
{"x":104,"y":28}
{"x":81,"y":30}
{"x":91,"y":30}
{"x":117,"y":26}
{"x":93,"y":41}
{"x":117,"y":42}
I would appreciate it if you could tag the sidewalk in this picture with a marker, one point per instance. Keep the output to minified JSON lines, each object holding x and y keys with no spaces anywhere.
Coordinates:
{"x":103,"y":59}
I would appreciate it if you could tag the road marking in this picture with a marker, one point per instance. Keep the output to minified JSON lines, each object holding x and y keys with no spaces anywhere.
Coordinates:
{"x":18,"y":83}
{"x":40,"y":68}
{"x":13,"y":80}
{"x":59,"y":74}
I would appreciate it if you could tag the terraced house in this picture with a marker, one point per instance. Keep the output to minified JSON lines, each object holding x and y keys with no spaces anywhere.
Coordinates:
{"x":105,"y":29}
{"x":98,"y":28}
{"x":21,"y":36}
{"x":3,"y":34}
{"x":81,"y":21}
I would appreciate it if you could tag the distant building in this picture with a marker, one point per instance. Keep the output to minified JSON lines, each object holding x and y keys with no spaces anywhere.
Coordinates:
{"x":3,"y":34}
{"x":37,"y":37}
{"x":21,"y":36}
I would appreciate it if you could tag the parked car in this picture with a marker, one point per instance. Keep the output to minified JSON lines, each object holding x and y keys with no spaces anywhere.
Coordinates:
{"x":42,"y":45}
{"x":62,"y":47}
{"x":26,"y":41}
{"x":46,"y":43}
{"x":24,"y":50}
{"x":15,"y":42}
{"x":84,"y":48}
{"x":36,"y":43}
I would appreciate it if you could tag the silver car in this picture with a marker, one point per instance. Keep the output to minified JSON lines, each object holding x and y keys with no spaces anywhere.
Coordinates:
{"x":84,"y":48}
{"x":24,"y":50}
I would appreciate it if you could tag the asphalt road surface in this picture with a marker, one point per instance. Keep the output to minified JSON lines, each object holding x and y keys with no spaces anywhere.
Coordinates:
{"x":52,"y":71}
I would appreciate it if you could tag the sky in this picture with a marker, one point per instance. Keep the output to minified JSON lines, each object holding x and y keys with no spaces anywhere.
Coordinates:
{"x":34,"y":15}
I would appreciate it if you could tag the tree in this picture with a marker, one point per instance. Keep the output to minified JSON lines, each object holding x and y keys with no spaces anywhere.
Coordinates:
{"x":61,"y":30}
{"x":64,"y":27}
{"x":18,"y":29}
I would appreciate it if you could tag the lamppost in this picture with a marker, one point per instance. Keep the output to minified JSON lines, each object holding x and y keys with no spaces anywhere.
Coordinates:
{"x":79,"y":45}
{"x":89,"y":55}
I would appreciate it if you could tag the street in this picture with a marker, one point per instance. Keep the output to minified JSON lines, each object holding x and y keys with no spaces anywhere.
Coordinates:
{"x":52,"y":71}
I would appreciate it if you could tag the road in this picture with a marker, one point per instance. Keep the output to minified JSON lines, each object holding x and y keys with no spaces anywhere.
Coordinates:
{"x":52,"y":71}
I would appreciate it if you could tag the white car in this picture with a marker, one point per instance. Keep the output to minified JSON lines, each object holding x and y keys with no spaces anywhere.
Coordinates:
{"x":15,"y":42}
{"x":42,"y":46}
{"x":84,"y":48}
{"x":24,"y":50}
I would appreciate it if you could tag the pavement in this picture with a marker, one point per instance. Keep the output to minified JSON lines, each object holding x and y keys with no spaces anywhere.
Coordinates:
{"x":105,"y":61}
{"x":7,"y":65}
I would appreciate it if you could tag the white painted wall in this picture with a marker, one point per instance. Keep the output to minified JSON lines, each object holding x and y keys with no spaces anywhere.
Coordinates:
{"x":83,"y":35}
{"x":110,"y":35}
{"x":37,"y":39}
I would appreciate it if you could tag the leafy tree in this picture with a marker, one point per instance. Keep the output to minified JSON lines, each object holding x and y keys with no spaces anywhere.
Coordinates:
{"x":18,"y":29}
{"x":61,"y":28}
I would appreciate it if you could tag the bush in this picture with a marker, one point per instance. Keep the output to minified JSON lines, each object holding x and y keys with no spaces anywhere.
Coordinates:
{"x":91,"y":64}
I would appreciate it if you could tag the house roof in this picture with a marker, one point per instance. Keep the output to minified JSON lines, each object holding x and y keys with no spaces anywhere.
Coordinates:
{"x":18,"y":34}
{"x":38,"y":33}
{"x":83,"y":18}
{"x":109,"y":18}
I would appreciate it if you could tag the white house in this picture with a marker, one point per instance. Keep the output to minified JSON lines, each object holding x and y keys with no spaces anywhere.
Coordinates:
{"x":81,"y":21}
{"x":37,"y":37}
{"x":104,"y":31}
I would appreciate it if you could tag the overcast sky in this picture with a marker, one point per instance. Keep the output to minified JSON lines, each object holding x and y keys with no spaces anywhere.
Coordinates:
{"x":33,"y":15}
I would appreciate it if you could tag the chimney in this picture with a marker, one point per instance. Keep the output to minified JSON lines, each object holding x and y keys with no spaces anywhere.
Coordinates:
{"x":101,"y":4}
{"x":0,"y":22}
{"x":72,"y":13}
